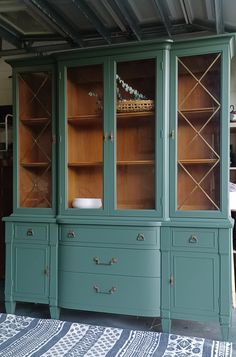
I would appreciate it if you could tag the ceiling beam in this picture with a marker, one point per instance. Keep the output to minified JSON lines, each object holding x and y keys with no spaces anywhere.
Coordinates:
{"x":219,"y":16}
{"x":55,"y":19}
{"x":10,"y":36}
{"x":127,"y":12}
{"x":93,"y":18}
{"x":113,"y":13}
{"x":162,"y":8}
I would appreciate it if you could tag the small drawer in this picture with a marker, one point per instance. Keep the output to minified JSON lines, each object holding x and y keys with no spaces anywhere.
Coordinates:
{"x":138,"y":236}
{"x":26,"y":231}
{"x":194,"y":238}
{"x":107,"y":293}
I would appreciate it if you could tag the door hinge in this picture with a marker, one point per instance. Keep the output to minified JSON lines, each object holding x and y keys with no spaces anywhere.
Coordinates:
{"x":171,"y":280}
{"x":162,"y":65}
{"x":60,"y":75}
{"x":161,"y":134}
{"x":54,"y":139}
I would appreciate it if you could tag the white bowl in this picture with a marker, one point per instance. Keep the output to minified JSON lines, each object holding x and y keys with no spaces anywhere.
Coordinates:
{"x":87,"y":202}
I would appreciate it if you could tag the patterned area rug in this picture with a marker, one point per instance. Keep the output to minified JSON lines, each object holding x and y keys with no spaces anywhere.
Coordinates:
{"x":22,"y":336}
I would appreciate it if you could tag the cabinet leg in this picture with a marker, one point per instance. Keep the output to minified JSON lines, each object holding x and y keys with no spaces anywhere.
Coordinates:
{"x":225,"y":331}
{"x":54,"y":312}
{"x":166,"y":325}
{"x":10,"y":307}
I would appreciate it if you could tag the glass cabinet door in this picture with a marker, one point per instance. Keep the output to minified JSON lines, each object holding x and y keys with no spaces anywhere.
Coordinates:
{"x":198,"y":136}
{"x":85,"y":137}
{"x":135,"y":128}
{"x":35,"y":139}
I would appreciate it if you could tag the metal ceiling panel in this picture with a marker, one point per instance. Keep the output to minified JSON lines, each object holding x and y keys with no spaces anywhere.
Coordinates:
{"x":52,"y":25}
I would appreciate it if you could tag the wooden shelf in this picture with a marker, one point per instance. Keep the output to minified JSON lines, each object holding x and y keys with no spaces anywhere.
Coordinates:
{"x":198,"y":113}
{"x":119,"y":163}
{"x":144,"y":114}
{"x":35,"y":121}
{"x":135,"y":162}
{"x":84,"y":119}
{"x":84,"y":164}
{"x":198,"y":161}
{"x":35,"y":164}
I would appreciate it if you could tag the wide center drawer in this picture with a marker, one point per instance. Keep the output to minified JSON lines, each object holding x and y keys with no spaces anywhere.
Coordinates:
{"x":133,"y":262}
{"x":138,"y":236}
{"x":107,"y":293}
{"x":195,"y":238}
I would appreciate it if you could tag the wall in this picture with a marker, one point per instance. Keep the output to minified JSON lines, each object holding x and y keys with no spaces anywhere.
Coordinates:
{"x":5,"y":83}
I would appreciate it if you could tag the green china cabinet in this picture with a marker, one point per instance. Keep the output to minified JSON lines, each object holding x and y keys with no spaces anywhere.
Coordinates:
{"x":121,"y":182}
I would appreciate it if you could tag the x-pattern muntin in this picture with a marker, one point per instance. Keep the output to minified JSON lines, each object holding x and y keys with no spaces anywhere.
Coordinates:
{"x":35,"y":93}
{"x":35,"y":186}
{"x":198,"y":133}
{"x":36,"y":142}
{"x":36,"y":181}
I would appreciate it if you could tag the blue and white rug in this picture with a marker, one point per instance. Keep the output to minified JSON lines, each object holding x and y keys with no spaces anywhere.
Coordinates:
{"x":22,"y":336}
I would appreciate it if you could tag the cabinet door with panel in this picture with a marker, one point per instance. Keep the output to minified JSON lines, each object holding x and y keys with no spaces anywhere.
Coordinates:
{"x":31,"y":264}
{"x":35,"y":138}
{"x":110,"y":142}
{"x":198,"y":136}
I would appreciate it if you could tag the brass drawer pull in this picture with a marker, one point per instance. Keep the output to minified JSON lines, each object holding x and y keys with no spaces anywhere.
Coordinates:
{"x":111,"y":262}
{"x":109,"y":292}
{"x":30,"y":232}
{"x":71,"y":234}
{"x":140,"y":237}
{"x":193,"y":239}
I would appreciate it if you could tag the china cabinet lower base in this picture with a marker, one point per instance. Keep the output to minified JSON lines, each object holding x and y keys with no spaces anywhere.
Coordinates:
{"x":169,"y":271}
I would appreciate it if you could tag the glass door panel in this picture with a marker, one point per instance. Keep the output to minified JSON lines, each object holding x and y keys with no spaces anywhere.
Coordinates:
{"x":35,"y":139}
{"x":199,"y":132}
{"x":135,"y":148}
{"x":85,"y":136}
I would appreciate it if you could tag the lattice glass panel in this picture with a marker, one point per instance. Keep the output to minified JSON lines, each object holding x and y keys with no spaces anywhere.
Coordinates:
{"x":199,"y":132}
{"x":35,"y":139}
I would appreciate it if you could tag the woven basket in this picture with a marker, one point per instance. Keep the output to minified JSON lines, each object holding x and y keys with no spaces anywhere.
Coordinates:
{"x":135,"y":105}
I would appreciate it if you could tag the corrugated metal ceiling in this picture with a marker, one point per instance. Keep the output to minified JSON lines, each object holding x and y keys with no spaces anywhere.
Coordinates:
{"x":39,"y":26}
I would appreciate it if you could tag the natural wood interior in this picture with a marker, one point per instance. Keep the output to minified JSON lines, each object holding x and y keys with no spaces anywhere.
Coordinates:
{"x":135,"y":145}
{"x":198,"y":132}
{"x":85,"y":132}
{"x":35,"y":139}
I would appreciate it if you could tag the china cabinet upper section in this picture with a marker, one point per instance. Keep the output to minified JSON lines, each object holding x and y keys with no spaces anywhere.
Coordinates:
{"x":137,"y":130}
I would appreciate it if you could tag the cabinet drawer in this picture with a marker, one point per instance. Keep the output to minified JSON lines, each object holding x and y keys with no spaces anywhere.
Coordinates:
{"x":138,"y":236}
{"x":195,"y":238}
{"x":26,"y":231}
{"x":117,"y":261}
{"x":107,"y":293}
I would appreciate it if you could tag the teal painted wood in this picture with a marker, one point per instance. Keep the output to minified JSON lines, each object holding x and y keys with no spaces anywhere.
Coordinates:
{"x":16,"y":139}
{"x":195,"y":288}
{"x":192,"y":49}
{"x":164,"y":274}
{"x":135,"y":237}
{"x":31,"y":264}
{"x":109,"y":66}
{"x":108,"y":260}
{"x":106,"y":293}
